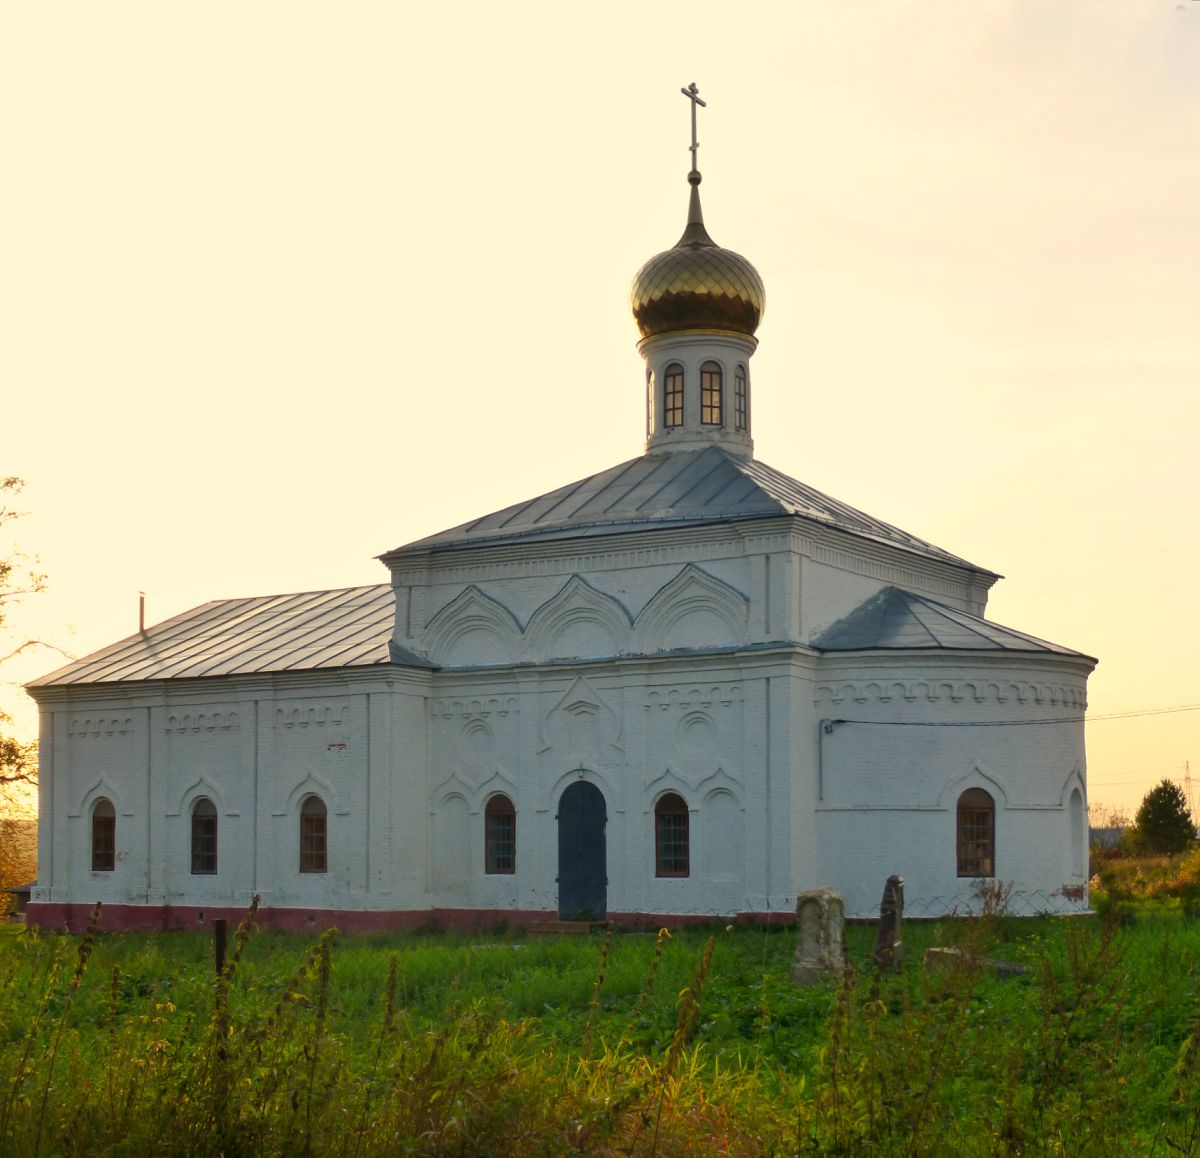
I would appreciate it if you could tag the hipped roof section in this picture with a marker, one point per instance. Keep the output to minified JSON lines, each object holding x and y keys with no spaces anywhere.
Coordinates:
{"x":897,"y":620}
{"x":677,"y":488}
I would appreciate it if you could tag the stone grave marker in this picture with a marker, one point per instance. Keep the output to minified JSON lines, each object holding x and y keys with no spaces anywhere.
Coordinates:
{"x":942,"y":960}
{"x":820,"y":919}
{"x":888,"y":943}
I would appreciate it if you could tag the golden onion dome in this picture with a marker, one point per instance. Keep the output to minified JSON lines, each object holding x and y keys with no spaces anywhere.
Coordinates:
{"x":697,"y":285}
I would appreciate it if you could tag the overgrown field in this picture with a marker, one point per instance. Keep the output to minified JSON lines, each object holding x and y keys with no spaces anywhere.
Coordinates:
{"x":1125,"y":885}
{"x":691,"y":1043}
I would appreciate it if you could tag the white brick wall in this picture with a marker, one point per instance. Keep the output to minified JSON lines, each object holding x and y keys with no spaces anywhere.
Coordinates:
{"x":406,"y":761}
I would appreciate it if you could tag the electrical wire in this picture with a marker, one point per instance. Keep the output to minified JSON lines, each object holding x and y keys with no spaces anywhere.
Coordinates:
{"x":1020,"y":723}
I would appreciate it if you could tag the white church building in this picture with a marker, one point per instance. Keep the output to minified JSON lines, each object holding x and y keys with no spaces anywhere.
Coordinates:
{"x":688,"y":686}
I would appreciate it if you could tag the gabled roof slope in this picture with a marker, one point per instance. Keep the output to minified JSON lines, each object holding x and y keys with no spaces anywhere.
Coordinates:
{"x":270,"y":633}
{"x":679,"y":488}
{"x":897,"y":620}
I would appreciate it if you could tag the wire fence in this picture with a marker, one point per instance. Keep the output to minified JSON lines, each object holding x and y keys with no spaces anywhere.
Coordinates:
{"x":1025,"y":904}
{"x":781,"y":909}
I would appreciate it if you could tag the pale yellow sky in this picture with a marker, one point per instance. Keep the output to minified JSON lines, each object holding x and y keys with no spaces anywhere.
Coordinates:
{"x":288,"y":284}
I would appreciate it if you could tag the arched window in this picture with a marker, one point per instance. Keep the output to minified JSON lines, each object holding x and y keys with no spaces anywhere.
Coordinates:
{"x":313,"y":835}
{"x":204,"y":837}
{"x":104,"y":836}
{"x":673,"y":396}
{"x":650,"y":400}
{"x":741,"y":400}
{"x":976,"y":834}
{"x":671,"y":836}
{"x":500,"y":835}
{"x":1078,"y":845}
{"x":710,"y":394}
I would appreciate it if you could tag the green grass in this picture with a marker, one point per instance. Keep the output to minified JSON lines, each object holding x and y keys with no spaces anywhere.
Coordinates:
{"x":693,"y":1043}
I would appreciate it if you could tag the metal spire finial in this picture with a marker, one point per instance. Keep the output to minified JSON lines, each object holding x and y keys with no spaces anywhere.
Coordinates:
{"x":693,"y":94}
{"x":695,"y":234}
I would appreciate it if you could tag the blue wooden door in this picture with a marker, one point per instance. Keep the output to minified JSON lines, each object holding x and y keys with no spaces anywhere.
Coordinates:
{"x":582,"y":855}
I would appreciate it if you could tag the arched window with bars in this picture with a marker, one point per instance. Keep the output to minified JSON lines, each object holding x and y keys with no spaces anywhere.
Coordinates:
{"x":741,"y":400}
{"x":976,"y":834}
{"x":104,"y":836}
{"x":710,"y":394}
{"x":204,"y":837}
{"x":314,"y":835}
{"x":672,"y":855}
{"x":499,"y":835}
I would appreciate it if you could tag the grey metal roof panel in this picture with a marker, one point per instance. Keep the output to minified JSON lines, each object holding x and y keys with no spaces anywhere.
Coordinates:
{"x":350,"y":627}
{"x":809,"y":503}
{"x":675,"y":488}
{"x":894,"y":619}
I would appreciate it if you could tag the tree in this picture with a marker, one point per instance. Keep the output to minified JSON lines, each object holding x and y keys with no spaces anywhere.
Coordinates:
{"x":18,"y":758}
{"x":19,"y":577}
{"x":1106,"y":816}
{"x":1163,"y":823}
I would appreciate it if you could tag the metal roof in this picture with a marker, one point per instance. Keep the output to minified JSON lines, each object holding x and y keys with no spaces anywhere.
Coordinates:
{"x":271,"y":633}
{"x":894,"y":619}
{"x":675,"y":488}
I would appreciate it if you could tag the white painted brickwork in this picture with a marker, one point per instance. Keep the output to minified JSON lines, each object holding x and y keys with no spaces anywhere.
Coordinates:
{"x":651,"y":673}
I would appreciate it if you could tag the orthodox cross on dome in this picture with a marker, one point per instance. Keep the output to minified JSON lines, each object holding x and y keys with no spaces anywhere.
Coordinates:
{"x":693,"y":94}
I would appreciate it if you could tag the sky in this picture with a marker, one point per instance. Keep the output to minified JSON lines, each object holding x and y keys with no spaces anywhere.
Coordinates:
{"x":286,"y":285}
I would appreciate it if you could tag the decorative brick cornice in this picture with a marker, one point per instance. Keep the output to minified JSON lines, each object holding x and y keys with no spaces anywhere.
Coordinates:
{"x":1016,"y":693}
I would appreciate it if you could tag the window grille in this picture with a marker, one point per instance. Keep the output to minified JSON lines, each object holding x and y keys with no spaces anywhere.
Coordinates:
{"x":671,"y":836}
{"x":104,"y":836}
{"x":204,"y":837}
{"x":500,"y":836}
{"x":314,"y":833}
{"x":976,"y":834}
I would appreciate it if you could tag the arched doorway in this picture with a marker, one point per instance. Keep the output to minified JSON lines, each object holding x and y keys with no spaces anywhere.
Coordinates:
{"x":582,"y":854}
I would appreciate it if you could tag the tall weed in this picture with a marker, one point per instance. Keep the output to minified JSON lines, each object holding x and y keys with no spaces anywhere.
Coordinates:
{"x":664,"y":1045}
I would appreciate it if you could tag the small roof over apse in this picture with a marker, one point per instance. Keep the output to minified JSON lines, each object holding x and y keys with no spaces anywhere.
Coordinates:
{"x":897,"y":620}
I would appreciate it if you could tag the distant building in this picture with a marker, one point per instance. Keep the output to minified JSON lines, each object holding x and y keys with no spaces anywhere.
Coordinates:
{"x":1107,"y":837}
{"x":686,"y":686}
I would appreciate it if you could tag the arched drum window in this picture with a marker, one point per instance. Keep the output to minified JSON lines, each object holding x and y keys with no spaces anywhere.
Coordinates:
{"x":104,"y":836}
{"x":710,"y":394}
{"x":671,"y":852}
{"x":976,"y":834}
{"x":741,"y":400}
{"x":500,"y":835}
{"x":314,"y":836}
{"x":673,"y":396}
